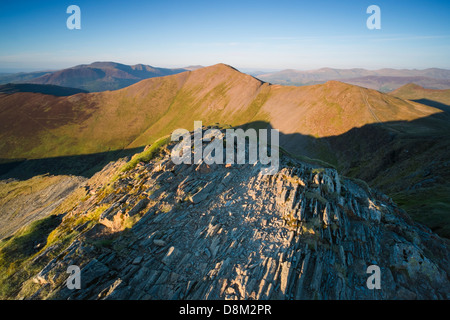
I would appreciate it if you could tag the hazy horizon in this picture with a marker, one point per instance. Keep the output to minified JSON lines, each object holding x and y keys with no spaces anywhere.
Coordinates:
{"x":245,"y":70}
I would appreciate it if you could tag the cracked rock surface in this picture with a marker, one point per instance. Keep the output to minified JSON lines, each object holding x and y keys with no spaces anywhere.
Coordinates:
{"x":228,"y":232}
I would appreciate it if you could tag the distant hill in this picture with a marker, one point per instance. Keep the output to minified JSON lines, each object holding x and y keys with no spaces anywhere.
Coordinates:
{"x":383,"y":80}
{"x":387,"y":83}
{"x":21,"y":76}
{"x":94,"y":77}
{"x":434,"y":98}
{"x":39,"y":88}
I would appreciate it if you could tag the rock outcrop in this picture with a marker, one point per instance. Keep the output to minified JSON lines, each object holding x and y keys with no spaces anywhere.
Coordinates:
{"x":201,"y":231}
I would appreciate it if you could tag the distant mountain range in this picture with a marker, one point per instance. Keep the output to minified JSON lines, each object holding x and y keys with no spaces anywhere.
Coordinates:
{"x":384,"y":80}
{"x":94,"y":77}
{"x":103,"y":76}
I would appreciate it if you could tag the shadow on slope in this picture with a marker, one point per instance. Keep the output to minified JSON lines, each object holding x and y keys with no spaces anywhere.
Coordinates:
{"x":434,"y":104}
{"x":78,"y":165}
{"x":408,"y":160}
{"x":40,"y":88}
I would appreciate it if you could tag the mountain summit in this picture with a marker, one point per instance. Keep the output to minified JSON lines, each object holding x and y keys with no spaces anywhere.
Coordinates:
{"x":94,"y":77}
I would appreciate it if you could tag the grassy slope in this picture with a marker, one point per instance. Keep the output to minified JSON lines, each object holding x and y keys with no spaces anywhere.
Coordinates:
{"x":15,"y":253}
{"x":426,"y":168}
{"x":412,"y":91}
{"x":22,"y":201}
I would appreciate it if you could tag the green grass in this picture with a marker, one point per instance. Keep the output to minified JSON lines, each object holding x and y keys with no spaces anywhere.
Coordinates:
{"x":65,"y":233}
{"x":21,"y":244}
{"x":315,"y":162}
{"x":254,"y":108}
{"x":147,"y":155}
{"x":16,"y":251}
{"x":429,"y":206}
{"x":318,"y":170}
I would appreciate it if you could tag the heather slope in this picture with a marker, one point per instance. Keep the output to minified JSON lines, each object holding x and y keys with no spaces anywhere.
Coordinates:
{"x":334,"y":108}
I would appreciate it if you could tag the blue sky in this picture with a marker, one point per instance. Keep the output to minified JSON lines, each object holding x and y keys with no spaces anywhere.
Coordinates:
{"x":245,"y":34}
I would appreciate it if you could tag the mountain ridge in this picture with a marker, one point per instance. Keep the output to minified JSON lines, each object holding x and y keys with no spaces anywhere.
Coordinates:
{"x":303,"y":233}
{"x":432,"y":97}
{"x":94,"y":77}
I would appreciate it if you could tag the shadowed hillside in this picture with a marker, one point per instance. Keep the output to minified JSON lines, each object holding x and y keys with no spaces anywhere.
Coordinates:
{"x":439,"y":99}
{"x":39,"y":88}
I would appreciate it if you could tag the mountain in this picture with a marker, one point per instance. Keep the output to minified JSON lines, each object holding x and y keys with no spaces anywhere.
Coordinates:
{"x":39,"y":88}
{"x":365,"y":134}
{"x":434,"y":98}
{"x":386,"y":84}
{"x":156,"y":230}
{"x":21,"y":76}
{"x":382,"y":80}
{"x":94,"y":77}
{"x":291,"y":76}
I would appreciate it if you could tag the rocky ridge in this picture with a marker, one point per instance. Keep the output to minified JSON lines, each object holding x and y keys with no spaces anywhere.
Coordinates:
{"x":166,"y":231}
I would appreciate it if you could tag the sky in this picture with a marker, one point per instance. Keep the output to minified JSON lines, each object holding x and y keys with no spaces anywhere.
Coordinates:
{"x":253,"y":35}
